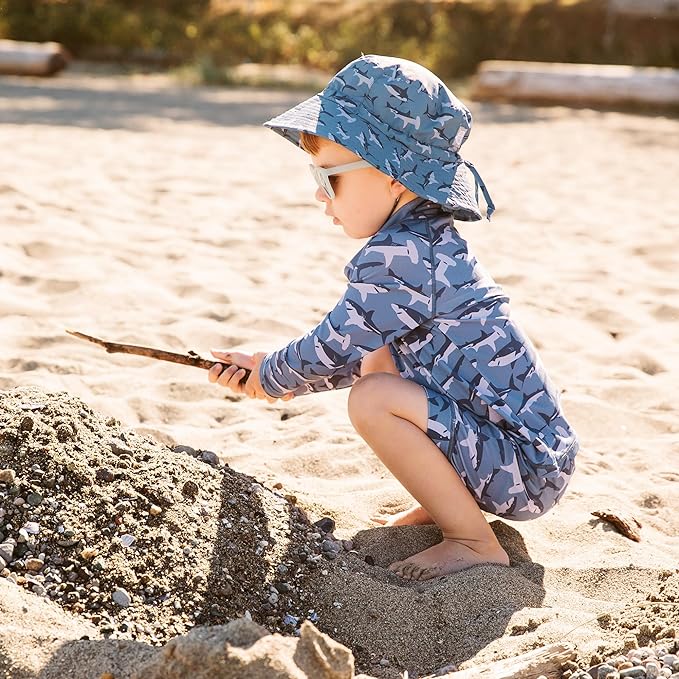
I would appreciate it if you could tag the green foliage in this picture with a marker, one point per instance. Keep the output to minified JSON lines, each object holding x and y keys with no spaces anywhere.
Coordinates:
{"x":449,"y":37}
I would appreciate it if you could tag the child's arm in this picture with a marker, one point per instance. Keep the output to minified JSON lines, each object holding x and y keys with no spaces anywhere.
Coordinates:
{"x":389,"y":294}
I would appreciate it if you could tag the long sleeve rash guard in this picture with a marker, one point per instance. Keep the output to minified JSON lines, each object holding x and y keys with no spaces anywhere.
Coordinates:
{"x":415,"y":287}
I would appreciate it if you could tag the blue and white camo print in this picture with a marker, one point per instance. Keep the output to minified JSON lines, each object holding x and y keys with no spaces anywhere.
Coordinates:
{"x":403,"y":120}
{"x":492,"y":410}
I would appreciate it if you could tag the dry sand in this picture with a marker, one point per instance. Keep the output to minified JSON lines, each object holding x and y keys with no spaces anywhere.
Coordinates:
{"x":140,"y":212}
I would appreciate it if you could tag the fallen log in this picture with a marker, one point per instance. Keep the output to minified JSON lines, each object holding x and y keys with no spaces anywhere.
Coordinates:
{"x":32,"y":58}
{"x":576,"y":83}
{"x":542,"y":662}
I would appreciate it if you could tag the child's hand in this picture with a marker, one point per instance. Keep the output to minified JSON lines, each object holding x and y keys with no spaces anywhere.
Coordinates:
{"x":232,"y":375}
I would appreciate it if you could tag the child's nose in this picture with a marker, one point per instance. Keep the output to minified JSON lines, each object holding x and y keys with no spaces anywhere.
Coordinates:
{"x":321,"y":196}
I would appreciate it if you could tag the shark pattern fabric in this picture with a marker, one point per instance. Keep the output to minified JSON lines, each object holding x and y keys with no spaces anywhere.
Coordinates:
{"x":493,"y":412}
{"x":402,"y":119}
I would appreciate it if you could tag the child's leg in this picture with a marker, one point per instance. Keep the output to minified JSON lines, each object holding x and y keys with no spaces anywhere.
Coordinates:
{"x":390,"y":413}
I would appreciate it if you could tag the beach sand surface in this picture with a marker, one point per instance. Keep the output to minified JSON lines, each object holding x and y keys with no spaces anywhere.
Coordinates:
{"x":138,"y":211}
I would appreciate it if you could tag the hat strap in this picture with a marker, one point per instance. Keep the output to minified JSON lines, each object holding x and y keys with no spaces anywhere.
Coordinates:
{"x":490,"y":206}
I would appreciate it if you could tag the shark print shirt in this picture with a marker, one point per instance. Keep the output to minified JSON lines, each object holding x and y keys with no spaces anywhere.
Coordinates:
{"x":416,"y":287}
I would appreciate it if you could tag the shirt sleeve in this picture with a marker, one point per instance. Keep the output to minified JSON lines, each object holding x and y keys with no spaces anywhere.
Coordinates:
{"x":388,"y":295}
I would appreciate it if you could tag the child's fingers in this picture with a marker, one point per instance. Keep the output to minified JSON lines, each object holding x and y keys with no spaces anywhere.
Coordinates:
{"x":214,"y":372}
{"x":227,"y":377}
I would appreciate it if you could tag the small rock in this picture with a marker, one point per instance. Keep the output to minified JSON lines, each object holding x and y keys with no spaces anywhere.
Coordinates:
{"x":209,"y":457}
{"x":329,"y":546}
{"x":155,"y":510}
{"x":384,"y":662}
{"x":127,"y":540}
{"x":190,"y":489}
{"x":633,"y":673}
{"x":26,"y":423}
{"x":347,"y":545}
{"x":104,"y":474}
{"x":652,"y":670}
{"x":31,"y":527}
{"x":6,"y":551}
{"x":188,"y":450}
{"x":19,"y":501}
{"x":34,"y":499}
{"x":325,"y":525}
{"x":121,"y":597}
{"x":38,"y":589}
{"x":34,"y":564}
{"x":7,"y":476}
{"x":119,"y":447}
{"x":88,"y":553}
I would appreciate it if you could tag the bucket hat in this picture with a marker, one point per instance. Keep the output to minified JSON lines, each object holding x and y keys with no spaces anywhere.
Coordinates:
{"x":402,"y":119}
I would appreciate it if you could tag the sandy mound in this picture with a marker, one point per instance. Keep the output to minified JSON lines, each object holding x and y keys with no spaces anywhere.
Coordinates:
{"x":143,"y":541}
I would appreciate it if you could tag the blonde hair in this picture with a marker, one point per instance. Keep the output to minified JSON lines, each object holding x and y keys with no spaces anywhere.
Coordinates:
{"x":311,"y":143}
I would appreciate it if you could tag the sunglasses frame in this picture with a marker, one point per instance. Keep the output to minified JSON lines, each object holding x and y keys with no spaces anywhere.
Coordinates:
{"x":322,"y":174}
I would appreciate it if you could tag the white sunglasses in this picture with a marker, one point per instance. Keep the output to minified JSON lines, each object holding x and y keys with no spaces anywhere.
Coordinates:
{"x":322,"y":174}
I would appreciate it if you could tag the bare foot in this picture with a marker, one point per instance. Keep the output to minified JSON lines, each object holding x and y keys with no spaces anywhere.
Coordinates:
{"x":414,"y":516}
{"x":449,"y":556}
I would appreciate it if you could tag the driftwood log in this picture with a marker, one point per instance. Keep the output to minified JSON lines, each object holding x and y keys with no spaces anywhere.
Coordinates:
{"x":32,"y":58}
{"x":576,"y":84}
{"x":191,"y":358}
{"x":542,"y":662}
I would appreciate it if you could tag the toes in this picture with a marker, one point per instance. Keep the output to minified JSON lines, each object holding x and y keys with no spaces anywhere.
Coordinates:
{"x":381,"y":520}
{"x":428,"y":573}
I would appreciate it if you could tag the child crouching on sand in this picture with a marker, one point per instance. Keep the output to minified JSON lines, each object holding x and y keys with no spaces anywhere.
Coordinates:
{"x":445,"y":387}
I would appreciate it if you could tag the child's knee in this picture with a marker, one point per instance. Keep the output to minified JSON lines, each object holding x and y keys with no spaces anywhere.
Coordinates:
{"x":367,"y":398}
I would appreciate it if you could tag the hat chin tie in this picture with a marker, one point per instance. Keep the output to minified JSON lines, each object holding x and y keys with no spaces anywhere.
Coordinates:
{"x":490,"y":206}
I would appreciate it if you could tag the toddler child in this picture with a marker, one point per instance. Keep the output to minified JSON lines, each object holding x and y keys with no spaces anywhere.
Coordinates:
{"x":446,"y":388}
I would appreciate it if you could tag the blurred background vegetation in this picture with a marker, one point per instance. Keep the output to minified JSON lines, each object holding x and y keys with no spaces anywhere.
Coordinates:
{"x":449,"y":36}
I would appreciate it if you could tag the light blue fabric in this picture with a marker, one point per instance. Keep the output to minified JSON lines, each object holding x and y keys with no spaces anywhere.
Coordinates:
{"x":492,"y":410}
{"x":403,"y":120}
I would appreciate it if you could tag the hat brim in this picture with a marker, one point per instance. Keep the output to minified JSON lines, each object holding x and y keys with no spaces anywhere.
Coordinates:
{"x":433,"y":173}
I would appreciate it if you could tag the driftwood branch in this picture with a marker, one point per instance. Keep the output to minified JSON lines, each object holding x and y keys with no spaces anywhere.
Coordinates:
{"x":545,"y":661}
{"x":627,"y":525}
{"x":191,"y":358}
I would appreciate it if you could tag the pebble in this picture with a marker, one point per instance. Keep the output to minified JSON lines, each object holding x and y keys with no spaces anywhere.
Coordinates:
{"x":34,"y":499}
{"x":330,"y":546}
{"x":31,"y":527}
{"x":127,"y":540}
{"x":326,"y":524}
{"x":155,"y":510}
{"x":7,"y":476}
{"x":34,"y":565}
{"x":6,"y":551}
{"x":121,"y":597}
{"x":209,"y":457}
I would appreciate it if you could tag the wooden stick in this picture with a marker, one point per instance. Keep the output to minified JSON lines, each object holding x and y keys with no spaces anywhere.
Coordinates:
{"x":628,"y":525}
{"x":545,"y":661}
{"x":191,"y":358}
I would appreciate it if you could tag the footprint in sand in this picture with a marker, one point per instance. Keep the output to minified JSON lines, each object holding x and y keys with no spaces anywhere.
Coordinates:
{"x":666,"y":312}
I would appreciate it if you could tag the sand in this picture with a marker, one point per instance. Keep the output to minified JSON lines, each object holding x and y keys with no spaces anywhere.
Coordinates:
{"x":137,"y":211}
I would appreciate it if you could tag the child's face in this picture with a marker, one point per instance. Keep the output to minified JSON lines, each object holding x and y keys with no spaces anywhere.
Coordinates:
{"x":364,"y":198}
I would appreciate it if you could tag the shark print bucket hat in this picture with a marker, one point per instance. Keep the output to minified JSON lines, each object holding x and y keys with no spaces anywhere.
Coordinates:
{"x":402,"y":119}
